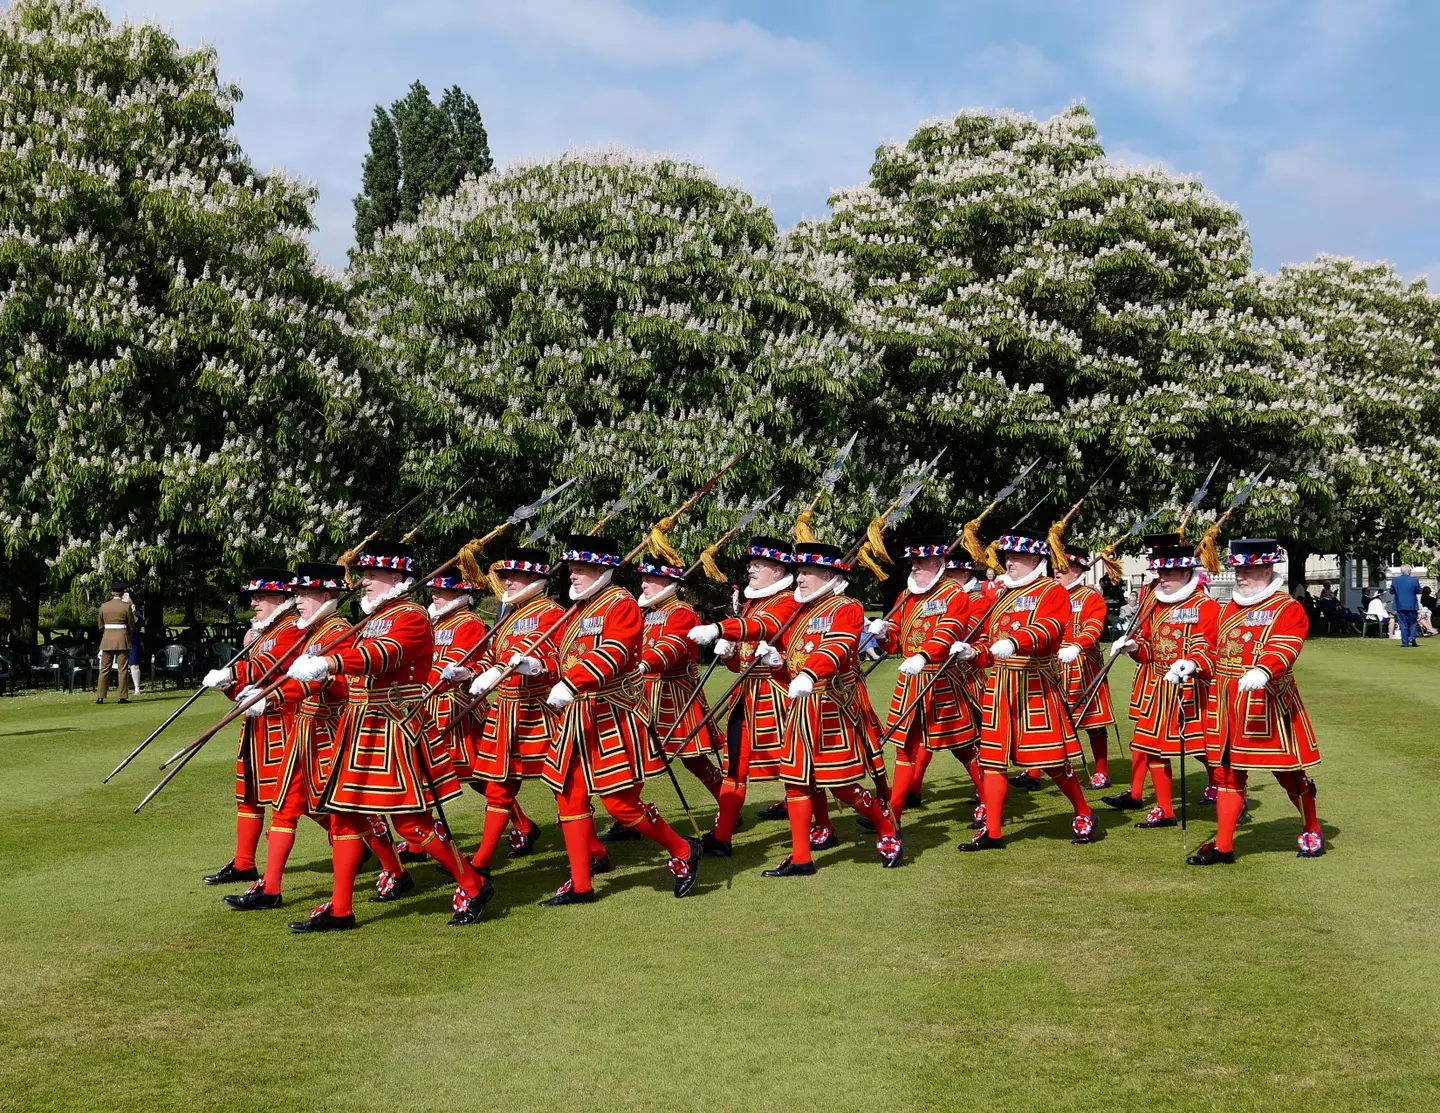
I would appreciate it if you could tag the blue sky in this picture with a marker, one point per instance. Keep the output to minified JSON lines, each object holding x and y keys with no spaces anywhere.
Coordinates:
{"x":1317,"y":118}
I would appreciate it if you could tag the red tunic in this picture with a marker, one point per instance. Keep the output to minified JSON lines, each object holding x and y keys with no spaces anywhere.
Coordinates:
{"x":762,"y":699}
{"x":455,"y":634}
{"x":670,"y":680}
{"x":598,"y":647}
{"x":518,"y":723}
{"x":829,"y":737}
{"x":264,"y":748}
{"x":1087,"y":623}
{"x":928,"y":624}
{"x":315,"y":708}
{"x":1170,"y":632}
{"x":377,"y":761}
{"x":1267,"y":728}
{"x":1023,"y":717}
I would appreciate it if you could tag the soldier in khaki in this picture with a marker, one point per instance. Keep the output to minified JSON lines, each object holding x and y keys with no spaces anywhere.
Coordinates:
{"x":117,"y":621}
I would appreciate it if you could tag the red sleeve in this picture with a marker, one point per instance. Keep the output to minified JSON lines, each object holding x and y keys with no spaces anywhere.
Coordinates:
{"x":1287,"y":638}
{"x":1206,"y":645}
{"x":950,"y":629}
{"x":672,"y":649}
{"x":406,"y":642}
{"x":891,"y":644}
{"x":616,"y":650}
{"x":761,"y":625}
{"x":1087,"y":626}
{"x":467,"y":637}
{"x":839,"y":645}
{"x":250,"y":668}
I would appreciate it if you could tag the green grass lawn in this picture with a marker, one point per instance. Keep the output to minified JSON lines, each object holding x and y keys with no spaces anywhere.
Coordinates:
{"x":1043,"y":977}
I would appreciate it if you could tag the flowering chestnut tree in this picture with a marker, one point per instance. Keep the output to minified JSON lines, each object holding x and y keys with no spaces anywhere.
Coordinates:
{"x":605,"y":312}
{"x":1034,"y":298}
{"x":177,"y":387}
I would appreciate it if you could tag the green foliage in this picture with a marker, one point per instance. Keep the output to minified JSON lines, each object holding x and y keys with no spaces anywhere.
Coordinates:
{"x":177,"y":388}
{"x":418,"y":150}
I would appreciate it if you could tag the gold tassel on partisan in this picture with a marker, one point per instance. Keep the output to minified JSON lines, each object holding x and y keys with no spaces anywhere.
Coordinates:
{"x":804,"y":535}
{"x":497,"y":588}
{"x":874,"y":545}
{"x":708,"y":565}
{"x":970,"y":536}
{"x":1209,"y":548}
{"x":659,"y":545}
{"x":990,"y":557}
{"x":1059,"y":563}
{"x":866,"y":559}
{"x":470,"y":564}
{"x":1113,"y":572}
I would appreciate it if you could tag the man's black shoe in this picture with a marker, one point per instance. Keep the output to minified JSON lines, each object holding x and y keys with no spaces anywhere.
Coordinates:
{"x":687,"y":870}
{"x":601,"y":863}
{"x":788,"y":868}
{"x":1027,"y":782}
{"x":864,"y":823}
{"x":618,"y":832}
{"x":253,"y":899}
{"x":568,"y":894}
{"x":323,"y":920}
{"x":389,"y":888}
{"x":777,"y":810}
{"x":469,"y":909}
{"x":523,"y":844}
{"x":914,"y":800}
{"x":1123,"y":801}
{"x":228,"y":875}
{"x":716,"y":847}
{"x":983,"y":841}
{"x":1207,"y":855}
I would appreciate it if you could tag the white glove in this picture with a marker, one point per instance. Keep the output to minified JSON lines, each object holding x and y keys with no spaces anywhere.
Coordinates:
{"x":704,"y":635}
{"x":527,"y":666}
{"x":1181,"y":671}
{"x":1069,"y":653}
{"x":458,"y":674}
{"x":964,"y":650}
{"x":1253,"y":680}
{"x":768,"y":655}
{"x":724,"y":648}
{"x":802,"y":685}
{"x":560,"y":695}
{"x":879,"y":628}
{"x":642,"y":668}
{"x":1003,"y":650}
{"x":309,"y":668}
{"x":218,"y":678}
{"x":485,"y":681}
{"x":914,"y":664}
{"x":1123,"y":645}
{"x":245,"y":696}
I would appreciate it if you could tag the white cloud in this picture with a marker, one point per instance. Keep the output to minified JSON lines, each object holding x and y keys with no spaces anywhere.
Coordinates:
{"x":1173,"y":49}
{"x":1336,"y":184}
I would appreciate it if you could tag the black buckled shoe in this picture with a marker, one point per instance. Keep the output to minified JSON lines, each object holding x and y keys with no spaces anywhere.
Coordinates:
{"x":568,"y":894}
{"x":618,"y":832}
{"x":522,"y":844}
{"x":1311,"y":843}
{"x":788,"y":868}
{"x":469,"y":909}
{"x":983,"y":841}
{"x":715,"y":847}
{"x":1086,"y":830}
{"x":865,"y":823}
{"x":1026,"y":781}
{"x":322,"y":919}
{"x":253,"y":899}
{"x":914,"y":800}
{"x":687,"y":870}
{"x":823,"y":838}
{"x":777,"y":810}
{"x":891,"y":852}
{"x":390,"y":887}
{"x":1156,"y":818}
{"x":410,"y":857}
{"x":601,"y":863}
{"x":1123,"y":801}
{"x":1207,"y":855}
{"x":228,"y":875}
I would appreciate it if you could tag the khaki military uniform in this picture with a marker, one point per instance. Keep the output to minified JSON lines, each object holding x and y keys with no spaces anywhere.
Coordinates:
{"x":116,"y":623}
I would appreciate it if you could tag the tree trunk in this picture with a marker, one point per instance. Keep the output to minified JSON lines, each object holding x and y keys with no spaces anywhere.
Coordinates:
{"x":1297,"y":555}
{"x":153,"y":636}
{"x":25,"y":602}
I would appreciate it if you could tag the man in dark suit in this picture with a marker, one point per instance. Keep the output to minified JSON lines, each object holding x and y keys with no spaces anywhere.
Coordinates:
{"x":1405,"y":591}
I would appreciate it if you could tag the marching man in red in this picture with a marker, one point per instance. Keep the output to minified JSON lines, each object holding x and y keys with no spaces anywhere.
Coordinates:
{"x":1174,"y":649}
{"x":512,"y":743}
{"x":382,"y":763}
{"x":828,"y":735}
{"x":260,"y":761}
{"x":1254,"y":718}
{"x":311,"y":710}
{"x":667,"y":663}
{"x":930,"y":615}
{"x":603,"y":740}
{"x":1024,"y":718}
{"x":754,"y":733}
{"x":1081,"y":661}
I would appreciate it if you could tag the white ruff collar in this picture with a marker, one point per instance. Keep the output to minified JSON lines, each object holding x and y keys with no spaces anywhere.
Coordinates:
{"x":970,"y":586}
{"x":1249,"y":599}
{"x":529,"y":591}
{"x":437,"y":612}
{"x":327,"y":608}
{"x":782,"y":584}
{"x":371,"y":606}
{"x":1025,"y":580}
{"x":261,"y":625}
{"x":665,"y":594}
{"x":1184,"y":591}
{"x":594,"y":589}
{"x":836,"y":585}
{"x":916,"y":589}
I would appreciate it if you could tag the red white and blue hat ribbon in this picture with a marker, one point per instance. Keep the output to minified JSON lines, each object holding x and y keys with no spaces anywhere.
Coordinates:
{"x":654,"y":568}
{"x":389,"y":563}
{"x":584,"y":556}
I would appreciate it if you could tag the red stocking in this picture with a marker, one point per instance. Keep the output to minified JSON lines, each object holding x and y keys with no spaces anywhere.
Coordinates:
{"x":798,"y":809}
{"x":992,"y":794}
{"x":1228,"y":805}
{"x":1139,"y":766}
{"x":1100,"y":747}
{"x":1164,"y":786}
{"x":1065,"y":779}
{"x":249,"y":825}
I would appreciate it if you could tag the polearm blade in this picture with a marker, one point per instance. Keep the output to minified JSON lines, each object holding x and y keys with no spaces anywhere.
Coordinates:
{"x":538,"y":534}
{"x":832,"y":473}
{"x":1010,"y":488}
{"x":1199,"y":495}
{"x":1031,"y":512}
{"x":1243,"y":495}
{"x":622,"y":504}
